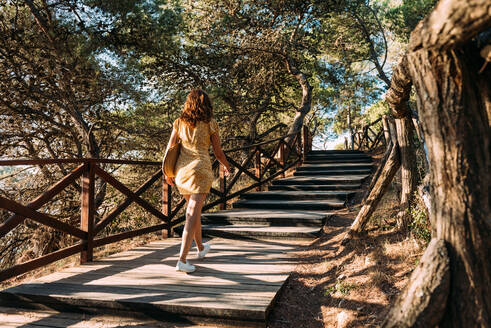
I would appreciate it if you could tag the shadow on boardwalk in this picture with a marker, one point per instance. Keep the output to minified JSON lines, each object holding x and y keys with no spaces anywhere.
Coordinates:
{"x":237,"y":281}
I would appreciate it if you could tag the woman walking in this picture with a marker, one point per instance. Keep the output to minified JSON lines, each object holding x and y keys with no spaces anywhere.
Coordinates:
{"x":197,"y":129}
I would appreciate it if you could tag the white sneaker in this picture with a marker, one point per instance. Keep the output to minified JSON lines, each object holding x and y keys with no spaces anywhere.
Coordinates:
{"x":206,"y":249}
{"x":185,"y":267}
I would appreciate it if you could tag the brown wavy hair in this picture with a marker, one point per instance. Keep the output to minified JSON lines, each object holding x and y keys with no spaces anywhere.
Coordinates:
{"x":197,"y":108}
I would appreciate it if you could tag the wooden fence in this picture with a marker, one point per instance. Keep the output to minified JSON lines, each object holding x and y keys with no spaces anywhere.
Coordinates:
{"x":369,"y":136}
{"x":264,"y":162}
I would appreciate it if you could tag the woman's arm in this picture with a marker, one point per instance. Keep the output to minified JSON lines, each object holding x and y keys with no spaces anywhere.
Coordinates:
{"x":217,"y":149}
{"x":172,"y":141}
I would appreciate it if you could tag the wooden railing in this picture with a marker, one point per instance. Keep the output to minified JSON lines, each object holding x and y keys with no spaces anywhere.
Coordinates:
{"x":264,"y":162}
{"x":366,"y":138}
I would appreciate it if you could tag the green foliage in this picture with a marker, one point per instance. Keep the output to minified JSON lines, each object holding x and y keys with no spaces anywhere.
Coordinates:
{"x":420,"y":225}
{"x":404,"y":18}
{"x":342,"y":287}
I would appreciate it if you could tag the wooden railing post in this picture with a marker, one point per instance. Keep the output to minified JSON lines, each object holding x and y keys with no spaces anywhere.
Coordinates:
{"x":223,"y":182}
{"x":282,"y":157}
{"x":299,"y":147}
{"x":87,"y":213}
{"x":305,"y":143}
{"x":385,"y":124}
{"x":258,"y":167}
{"x":166,"y":205}
{"x":311,"y":141}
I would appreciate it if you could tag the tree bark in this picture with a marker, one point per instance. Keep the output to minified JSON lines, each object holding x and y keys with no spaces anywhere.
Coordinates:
{"x":452,"y":101}
{"x":423,"y":300}
{"x":306,"y":103}
{"x":390,"y":168}
{"x":389,"y":131}
{"x":405,"y":129}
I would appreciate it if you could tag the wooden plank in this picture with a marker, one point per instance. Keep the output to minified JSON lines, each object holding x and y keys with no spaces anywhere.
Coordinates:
{"x":223,"y":186}
{"x":167,"y":267}
{"x":214,"y":255}
{"x":42,"y":218}
{"x":270,"y":157}
{"x":39,"y":262}
{"x":239,"y":172}
{"x":42,"y":199}
{"x":15,"y":317}
{"x":257,"y":167}
{"x":237,"y":281}
{"x":128,"y":234}
{"x":156,"y":279}
{"x":242,"y":169}
{"x":122,"y":188}
{"x":259,"y":144}
{"x":105,"y":296}
{"x":114,"y":285}
{"x":118,"y":210}
{"x":87,"y":209}
{"x":253,"y":278}
{"x":15,"y":162}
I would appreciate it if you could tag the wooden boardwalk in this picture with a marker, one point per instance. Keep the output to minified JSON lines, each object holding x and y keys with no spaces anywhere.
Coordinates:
{"x":236,"y":282}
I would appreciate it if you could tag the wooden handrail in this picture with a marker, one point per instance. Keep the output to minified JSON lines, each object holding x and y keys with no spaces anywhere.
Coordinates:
{"x":267,"y":160}
{"x":362,"y":140}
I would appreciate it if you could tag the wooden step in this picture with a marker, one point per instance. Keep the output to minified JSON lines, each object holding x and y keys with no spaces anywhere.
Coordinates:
{"x":265,"y":217}
{"x":341,"y":151}
{"x":260,"y":232}
{"x":338,"y":166}
{"x":345,"y":157}
{"x":299,"y":195}
{"x":307,"y":205}
{"x":306,"y":187}
{"x":332,"y":172}
{"x":320,"y":160}
{"x":324,"y":180}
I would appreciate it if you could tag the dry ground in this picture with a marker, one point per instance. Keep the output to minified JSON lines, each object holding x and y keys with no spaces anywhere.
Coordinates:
{"x":352,"y":286}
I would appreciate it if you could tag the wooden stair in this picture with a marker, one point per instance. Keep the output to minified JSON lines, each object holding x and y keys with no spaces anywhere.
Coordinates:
{"x":295,"y":207}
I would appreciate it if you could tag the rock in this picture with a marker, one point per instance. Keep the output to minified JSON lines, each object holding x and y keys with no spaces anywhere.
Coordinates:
{"x":342,"y":277}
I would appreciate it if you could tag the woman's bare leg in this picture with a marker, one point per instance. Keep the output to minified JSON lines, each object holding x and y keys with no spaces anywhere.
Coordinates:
{"x":197,"y":230}
{"x":193,"y":214}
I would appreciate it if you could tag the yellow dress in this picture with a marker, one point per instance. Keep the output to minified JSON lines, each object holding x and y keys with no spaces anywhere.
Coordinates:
{"x":194,"y":174}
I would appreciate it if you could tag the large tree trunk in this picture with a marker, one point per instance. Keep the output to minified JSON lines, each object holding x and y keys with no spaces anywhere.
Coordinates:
{"x":408,"y":170}
{"x":452,"y":101}
{"x":422,"y":302}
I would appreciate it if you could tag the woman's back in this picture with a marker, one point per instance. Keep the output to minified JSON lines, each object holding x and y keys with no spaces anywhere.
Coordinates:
{"x":196,"y":140}
{"x":193,"y":167}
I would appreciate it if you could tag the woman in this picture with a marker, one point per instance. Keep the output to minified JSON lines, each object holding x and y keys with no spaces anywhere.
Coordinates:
{"x":196,"y":129}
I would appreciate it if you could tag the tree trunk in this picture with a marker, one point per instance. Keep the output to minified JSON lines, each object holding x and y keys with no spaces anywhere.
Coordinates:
{"x":452,"y":102}
{"x":391,"y":140}
{"x":405,"y":129}
{"x":423,"y":300}
{"x":390,"y":168}
{"x":306,"y":103}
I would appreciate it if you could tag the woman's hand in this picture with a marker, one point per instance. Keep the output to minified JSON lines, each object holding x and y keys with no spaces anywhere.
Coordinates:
{"x":226,"y":171}
{"x":169,"y":180}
